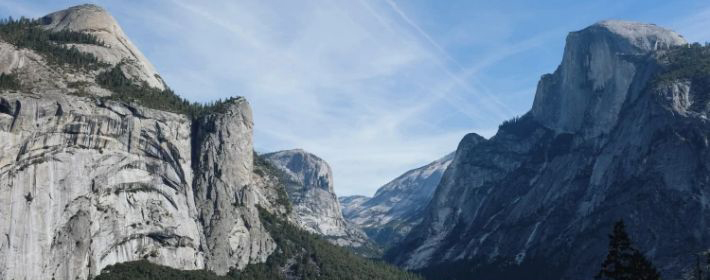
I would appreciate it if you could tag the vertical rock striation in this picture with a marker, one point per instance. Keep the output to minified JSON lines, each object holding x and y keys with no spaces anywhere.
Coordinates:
{"x":86,"y":182}
{"x":605,"y":140}
{"x":225,"y":195}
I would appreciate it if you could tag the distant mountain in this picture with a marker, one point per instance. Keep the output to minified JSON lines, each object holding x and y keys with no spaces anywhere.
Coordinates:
{"x":619,"y":131}
{"x":309,"y":184}
{"x":102,"y":164}
{"x":352,"y":204}
{"x":398,"y":205}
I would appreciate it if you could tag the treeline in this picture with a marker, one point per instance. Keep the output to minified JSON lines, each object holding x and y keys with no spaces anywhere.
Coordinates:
{"x":300,"y":255}
{"x":262,"y":167}
{"x":691,"y":61}
{"x":128,"y":90}
{"x":144,"y":270}
{"x":303,"y":255}
{"x":519,"y":125}
{"x":28,"y":33}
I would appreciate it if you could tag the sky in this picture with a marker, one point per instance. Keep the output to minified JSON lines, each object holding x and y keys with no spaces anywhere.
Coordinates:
{"x":374,"y":87}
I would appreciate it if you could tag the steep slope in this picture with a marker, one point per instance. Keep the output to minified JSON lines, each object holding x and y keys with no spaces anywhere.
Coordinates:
{"x":608,"y":138}
{"x":351,"y":204}
{"x":301,"y":255}
{"x":87,"y":182}
{"x":309,"y":184}
{"x":101,"y":163}
{"x":116,"y":47}
{"x":398,"y":205}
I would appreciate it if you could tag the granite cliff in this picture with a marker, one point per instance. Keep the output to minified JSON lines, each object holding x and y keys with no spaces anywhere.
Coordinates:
{"x":618,"y":131}
{"x":309,"y":184}
{"x":87,"y":181}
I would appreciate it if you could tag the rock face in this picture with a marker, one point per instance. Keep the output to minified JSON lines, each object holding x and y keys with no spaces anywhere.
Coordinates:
{"x":87,"y":182}
{"x":117,"y":47}
{"x":398,"y":205}
{"x":224,"y":191}
{"x":602,"y":142}
{"x":598,"y":75}
{"x":309,"y":183}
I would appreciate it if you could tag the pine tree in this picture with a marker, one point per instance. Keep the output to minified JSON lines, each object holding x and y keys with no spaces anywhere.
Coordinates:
{"x":624,"y":262}
{"x":698,"y":268}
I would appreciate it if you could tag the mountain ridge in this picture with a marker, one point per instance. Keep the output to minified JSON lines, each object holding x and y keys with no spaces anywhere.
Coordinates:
{"x":604,"y":140}
{"x":396,"y":206}
{"x":92,"y":174}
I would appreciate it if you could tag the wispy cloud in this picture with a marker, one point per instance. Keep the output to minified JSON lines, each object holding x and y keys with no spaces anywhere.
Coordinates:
{"x":359,"y":83}
{"x":368,"y":85}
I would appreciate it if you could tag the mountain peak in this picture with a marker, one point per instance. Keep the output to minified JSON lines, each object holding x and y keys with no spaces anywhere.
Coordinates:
{"x":310,"y":190}
{"x":84,"y":17}
{"x":594,"y":80}
{"x":645,"y":36}
{"x":305,"y":168}
{"x":95,"y":20}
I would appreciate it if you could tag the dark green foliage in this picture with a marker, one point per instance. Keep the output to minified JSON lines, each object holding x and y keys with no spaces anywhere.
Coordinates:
{"x":9,"y":81}
{"x":27,"y":33}
{"x":624,"y":262}
{"x":144,"y":270}
{"x":262,"y":166}
{"x":73,"y":37}
{"x":483,"y":269}
{"x":519,"y":126}
{"x":690,"y":61}
{"x":300,"y":255}
{"x":307,"y":256}
{"x":128,"y":90}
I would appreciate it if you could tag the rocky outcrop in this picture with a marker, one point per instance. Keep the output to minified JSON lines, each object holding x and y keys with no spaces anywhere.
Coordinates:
{"x":225,"y":194}
{"x":604,"y":141}
{"x":116,"y":47}
{"x":87,"y":182}
{"x":309,"y":184}
{"x":397,"y":206}
{"x":601,"y":69}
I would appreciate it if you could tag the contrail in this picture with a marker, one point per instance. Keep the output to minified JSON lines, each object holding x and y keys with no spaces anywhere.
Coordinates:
{"x":441,"y":50}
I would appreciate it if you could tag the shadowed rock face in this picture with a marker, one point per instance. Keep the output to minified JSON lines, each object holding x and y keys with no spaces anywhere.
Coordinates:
{"x":602,"y":67}
{"x":601,"y":143}
{"x":87,"y":182}
{"x":397,"y":206}
{"x":310,"y":190}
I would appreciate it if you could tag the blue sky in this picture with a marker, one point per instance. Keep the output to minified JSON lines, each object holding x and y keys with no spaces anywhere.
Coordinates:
{"x":375,"y":87}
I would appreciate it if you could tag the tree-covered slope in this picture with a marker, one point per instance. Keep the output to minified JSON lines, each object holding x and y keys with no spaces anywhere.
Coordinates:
{"x":300,"y":255}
